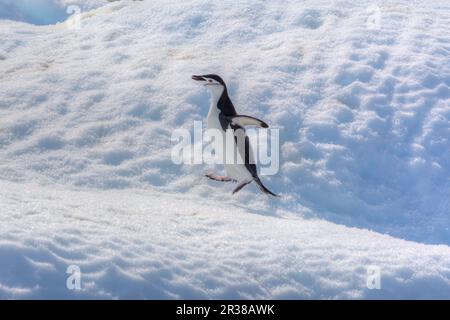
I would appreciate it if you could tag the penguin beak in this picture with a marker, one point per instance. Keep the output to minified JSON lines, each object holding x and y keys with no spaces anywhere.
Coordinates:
{"x":198,"y":78}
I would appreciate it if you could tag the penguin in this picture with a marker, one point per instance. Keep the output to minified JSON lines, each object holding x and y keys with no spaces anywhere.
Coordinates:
{"x":222,"y":115}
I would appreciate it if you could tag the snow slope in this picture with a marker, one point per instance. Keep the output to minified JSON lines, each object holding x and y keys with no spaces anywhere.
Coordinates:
{"x":361,"y":96}
{"x":142,"y":244}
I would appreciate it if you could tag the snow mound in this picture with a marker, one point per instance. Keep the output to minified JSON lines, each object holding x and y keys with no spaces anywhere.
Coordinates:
{"x":360,"y":95}
{"x":363,"y":112}
{"x":154,"y":245}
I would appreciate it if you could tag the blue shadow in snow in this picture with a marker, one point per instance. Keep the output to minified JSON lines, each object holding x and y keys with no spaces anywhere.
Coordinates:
{"x":38,"y":12}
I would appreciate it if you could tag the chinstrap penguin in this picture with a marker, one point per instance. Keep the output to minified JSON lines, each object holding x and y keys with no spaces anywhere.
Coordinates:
{"x":222,"y":116}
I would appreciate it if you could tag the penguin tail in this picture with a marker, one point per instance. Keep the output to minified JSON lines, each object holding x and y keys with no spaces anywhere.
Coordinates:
{"x":263,"y":188}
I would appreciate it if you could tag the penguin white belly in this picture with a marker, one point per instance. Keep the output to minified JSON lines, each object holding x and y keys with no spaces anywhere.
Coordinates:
{"x":212,"y":121}
{"x":238,"y":172}
{"x":234,"y":170}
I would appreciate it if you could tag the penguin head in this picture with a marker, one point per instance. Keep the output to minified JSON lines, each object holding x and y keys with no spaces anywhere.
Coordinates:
{"x":213,"y":82}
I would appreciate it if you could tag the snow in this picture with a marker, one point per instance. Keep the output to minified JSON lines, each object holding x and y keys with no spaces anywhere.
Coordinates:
{"x":361,"y":97}
{"x":144,"y":244}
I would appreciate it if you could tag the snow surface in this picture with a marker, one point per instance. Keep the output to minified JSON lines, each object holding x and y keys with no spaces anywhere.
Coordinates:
{"x":363,"y":111}
{"x":142,"y":244}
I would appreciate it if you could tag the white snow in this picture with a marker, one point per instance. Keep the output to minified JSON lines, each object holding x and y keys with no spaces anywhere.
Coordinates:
{"x":362,"y":103}
{"x":142,"y":244}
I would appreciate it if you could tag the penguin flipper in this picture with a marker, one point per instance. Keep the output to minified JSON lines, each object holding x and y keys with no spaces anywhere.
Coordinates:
{"x":242,"y":121}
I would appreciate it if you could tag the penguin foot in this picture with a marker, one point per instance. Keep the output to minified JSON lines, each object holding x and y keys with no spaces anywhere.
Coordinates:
{"x":240,"y":186}
{"x":216,"y":177}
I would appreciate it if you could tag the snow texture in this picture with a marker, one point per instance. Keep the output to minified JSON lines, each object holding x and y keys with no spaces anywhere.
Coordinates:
{"x":360,"y":93}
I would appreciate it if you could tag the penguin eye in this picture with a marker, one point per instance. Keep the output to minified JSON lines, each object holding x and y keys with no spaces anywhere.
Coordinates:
{"x":209,"y":80}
